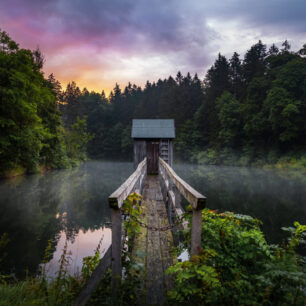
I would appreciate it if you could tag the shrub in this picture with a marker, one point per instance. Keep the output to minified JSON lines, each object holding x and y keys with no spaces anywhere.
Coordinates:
{"x":237,"y":266}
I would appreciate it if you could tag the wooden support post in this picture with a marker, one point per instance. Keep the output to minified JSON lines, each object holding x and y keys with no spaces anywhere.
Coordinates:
{"x":94,"y":279}
{"x":178,"y":198}
{"x":116,"y":250}
{"x":196,"y":230}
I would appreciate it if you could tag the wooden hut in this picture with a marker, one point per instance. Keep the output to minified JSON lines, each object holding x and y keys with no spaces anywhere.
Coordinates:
{"x":153,"y":138}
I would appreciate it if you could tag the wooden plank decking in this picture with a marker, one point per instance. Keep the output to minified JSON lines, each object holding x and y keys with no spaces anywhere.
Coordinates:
{"x":153,"y":249}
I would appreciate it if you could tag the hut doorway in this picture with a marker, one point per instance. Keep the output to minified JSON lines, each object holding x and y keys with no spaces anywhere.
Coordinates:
{"x":152,"y":157}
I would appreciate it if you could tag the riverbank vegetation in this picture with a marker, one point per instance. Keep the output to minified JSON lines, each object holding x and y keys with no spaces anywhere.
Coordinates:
{"x":63,"y":288}
{"x":32,"y":136}
{"x":235,"y":266}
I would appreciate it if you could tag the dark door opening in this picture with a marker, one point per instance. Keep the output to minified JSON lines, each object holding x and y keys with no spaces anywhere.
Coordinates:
{"x":152,"y":157}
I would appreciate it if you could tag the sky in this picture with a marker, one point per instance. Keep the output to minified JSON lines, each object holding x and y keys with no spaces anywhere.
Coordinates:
{"x":97,"y":43}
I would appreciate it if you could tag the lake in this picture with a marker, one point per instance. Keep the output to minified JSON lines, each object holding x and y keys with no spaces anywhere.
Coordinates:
{"x":71,"y":207}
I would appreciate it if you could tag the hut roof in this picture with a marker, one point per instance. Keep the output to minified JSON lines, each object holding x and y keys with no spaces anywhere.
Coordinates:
{"x":153,"y":128}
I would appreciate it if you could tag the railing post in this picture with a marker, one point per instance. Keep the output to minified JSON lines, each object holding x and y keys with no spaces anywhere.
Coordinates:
{"x":116,"y":250}
{"x":196,"y":230}
{"x":178,"y":197}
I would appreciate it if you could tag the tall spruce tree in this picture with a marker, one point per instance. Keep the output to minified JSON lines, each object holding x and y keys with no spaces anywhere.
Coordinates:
{"x":254,"y":62}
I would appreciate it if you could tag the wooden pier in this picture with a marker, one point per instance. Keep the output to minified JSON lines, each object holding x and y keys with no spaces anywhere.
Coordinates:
{"x":161,"y":189}
{"x":161,"y":204}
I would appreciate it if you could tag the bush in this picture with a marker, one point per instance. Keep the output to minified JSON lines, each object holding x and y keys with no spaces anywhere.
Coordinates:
{"x":237,"y":266}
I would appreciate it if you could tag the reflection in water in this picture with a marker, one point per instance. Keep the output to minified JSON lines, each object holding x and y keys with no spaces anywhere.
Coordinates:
{"x":72,"y":205}
{"x":274,"y":198}
{"x":36,"y":208}
{"x":84,"y":244}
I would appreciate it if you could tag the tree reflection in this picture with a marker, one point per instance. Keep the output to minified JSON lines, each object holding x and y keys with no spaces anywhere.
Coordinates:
{"x":36,"y":208}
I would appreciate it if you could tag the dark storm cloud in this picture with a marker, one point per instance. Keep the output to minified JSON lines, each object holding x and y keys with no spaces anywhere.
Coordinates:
{"x":282,"y":15}
{"x":174,"y":30}
{"x":130,"y":25}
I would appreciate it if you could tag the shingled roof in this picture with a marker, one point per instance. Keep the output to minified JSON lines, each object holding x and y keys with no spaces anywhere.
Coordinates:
{"x":153,"y":128}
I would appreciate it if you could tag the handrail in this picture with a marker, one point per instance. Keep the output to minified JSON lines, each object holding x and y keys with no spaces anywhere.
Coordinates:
{"x":133,"y":183}
{"x":196,"y":199}
{"x":95,"y":278}
{"x":112,"y":256}
{"x":117,"y":197}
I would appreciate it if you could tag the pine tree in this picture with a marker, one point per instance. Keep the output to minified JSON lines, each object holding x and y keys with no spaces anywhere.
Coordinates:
{"x":286,"y":46}
{"x":273,"y":50}
{"x":179,"y":78}
{"x":236,"y":74}
{"x":56,"y":87}
{"x":254,"y":62}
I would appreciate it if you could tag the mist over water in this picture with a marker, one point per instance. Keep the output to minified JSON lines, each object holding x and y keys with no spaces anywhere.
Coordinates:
{"x":65,"y":204}
{"x":275,"y":198}
{"x":72,"y":205}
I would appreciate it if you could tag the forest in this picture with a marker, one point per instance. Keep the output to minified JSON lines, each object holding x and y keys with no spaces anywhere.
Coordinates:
{"x":32,"y":136}
{"x":248,"y":111}
{"x":245,"y":111}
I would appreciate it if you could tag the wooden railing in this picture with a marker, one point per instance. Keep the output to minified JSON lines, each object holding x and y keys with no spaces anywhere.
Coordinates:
{"x":173,"y":187}
{"x":95,"y":278}
{"x":112,"y":256}
{"x":134,"y":183}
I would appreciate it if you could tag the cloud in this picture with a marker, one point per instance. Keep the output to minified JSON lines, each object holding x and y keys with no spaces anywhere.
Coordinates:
{"x":278,"y":15}
{"x":143,"y":39}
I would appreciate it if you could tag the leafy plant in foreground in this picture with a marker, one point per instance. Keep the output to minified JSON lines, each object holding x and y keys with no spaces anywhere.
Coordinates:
{"x":237,"y":266}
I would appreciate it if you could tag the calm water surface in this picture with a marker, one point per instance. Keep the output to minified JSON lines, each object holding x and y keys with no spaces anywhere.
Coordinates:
{"x":70,"y":206}
{"x":65,"y":206}
{"x":275,"y":198}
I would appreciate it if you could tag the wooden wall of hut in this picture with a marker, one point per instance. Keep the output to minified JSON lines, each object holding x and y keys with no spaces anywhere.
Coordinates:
{"x":165,"y":150}
{"x":140,"y":151}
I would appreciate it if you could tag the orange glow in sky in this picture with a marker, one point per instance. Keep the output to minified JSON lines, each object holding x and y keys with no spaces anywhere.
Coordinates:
{"x":99,"y":43}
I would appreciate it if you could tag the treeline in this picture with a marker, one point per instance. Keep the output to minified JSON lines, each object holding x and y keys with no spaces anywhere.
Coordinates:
{"x":109,"y":119}
{"x":32,"y":135}
{"x":244,"y":111}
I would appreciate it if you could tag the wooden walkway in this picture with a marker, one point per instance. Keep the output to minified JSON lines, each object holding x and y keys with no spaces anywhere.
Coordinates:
{"x":153,"y":248}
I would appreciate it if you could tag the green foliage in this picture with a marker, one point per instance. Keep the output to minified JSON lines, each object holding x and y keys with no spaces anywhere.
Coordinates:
{"x":90,"y":263}
{"x":283,"y":114}
{"x":229,"y":117}
{"x":208,"y":156}
{"x":194,"y":279}
{"x":242,"y":110}
{"x":248,"y":107}
{"x":77,"y":138}
{"x":38,"y":291}
{"x":237,"y":266}
{"x":131,"y":207}
{"x":22,"y":85}
{"x":186,"y":141}
{"x":32,"y":134}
